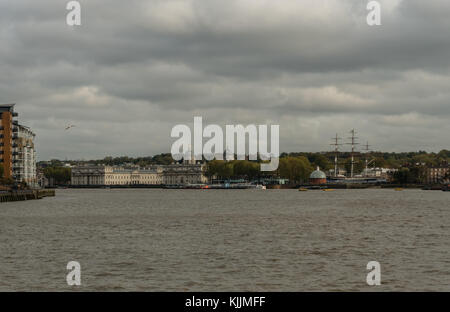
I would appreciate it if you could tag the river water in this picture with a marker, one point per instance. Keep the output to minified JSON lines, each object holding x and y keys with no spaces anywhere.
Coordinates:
{"x":227,"y":240}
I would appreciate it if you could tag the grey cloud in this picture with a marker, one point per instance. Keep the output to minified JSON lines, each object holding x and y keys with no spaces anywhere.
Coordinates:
{"x":136,"y":68}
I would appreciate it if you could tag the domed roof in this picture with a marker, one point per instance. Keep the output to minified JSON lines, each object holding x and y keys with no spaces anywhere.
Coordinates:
{"x":317,"y":174}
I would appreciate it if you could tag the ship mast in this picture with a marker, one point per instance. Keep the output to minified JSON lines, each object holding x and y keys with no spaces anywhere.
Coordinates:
{"x":366,"y":148}
{"x":336,"y":145}
{"x":352,"y":143}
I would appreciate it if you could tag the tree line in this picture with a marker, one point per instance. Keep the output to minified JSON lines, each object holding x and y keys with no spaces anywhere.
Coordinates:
{"x":296,"y":169}
{"x":59,"y":175}
{"x":293,"y":166}
{"x":323,"y":159}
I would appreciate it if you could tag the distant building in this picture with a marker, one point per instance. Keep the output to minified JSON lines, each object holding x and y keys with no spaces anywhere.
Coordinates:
{"x":385,"y":173}
{"x":154,"y":175}
{"x":184,"y":174}
{"x":318,"y":177}
{"x":436,"y":175}
{"x":340,"y":172}
{"x":121,"y":176}
{"x":42,"y":181}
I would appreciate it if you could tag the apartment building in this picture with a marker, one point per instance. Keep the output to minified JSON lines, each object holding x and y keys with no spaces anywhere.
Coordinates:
{"x":17,"y":152}
{"x":24,"y":157}
{"x":8,"y":133}
{"x":435,"y":175}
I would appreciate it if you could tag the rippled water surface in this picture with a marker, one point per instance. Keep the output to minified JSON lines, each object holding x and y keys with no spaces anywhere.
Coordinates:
{"x":219,"y":240}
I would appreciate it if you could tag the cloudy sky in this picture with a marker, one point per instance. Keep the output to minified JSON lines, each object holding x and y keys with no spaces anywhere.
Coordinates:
{"x":136,"y":68}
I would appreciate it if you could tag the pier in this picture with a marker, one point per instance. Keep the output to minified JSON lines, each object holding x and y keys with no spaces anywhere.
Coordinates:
{"x":11,"y":196}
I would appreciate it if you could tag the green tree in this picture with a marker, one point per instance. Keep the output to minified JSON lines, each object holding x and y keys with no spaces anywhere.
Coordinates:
{"x":380,"y":162}
{"x":60,"y":175}
{"x":296,"y":169}
{"x":220,"y":168}
{"x":245,"y":169}
{"x":323,"y":162}
{"x":409,"y":175}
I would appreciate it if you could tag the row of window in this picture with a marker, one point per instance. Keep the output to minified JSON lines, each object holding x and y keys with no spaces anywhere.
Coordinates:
{"x":124,"y":180}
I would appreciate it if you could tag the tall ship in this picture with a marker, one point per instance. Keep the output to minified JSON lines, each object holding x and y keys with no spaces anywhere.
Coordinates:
{"x":372,"y":175}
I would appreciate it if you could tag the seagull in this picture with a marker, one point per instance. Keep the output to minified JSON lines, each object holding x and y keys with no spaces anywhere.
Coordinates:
{"x":69,"y":126}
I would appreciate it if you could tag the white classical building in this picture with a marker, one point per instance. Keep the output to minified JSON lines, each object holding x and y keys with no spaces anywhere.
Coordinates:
{"x":186,"y":173}
{"x":154,"y":175}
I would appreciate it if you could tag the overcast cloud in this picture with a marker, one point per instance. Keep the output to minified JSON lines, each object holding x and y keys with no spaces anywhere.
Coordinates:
{"x":135,"y":68}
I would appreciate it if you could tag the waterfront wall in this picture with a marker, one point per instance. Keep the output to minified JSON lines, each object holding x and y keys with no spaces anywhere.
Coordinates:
{"x":118,"y":186}
{"x":25,"y":195}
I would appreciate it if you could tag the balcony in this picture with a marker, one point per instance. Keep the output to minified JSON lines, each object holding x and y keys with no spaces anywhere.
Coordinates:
{"x":15,"y":129}
{"x":14,"y":114}
{"x":15,"y":122}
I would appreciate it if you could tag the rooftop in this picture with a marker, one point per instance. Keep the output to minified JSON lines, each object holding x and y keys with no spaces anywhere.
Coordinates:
{"x":7,"y":107}
{"x":318,"y":174}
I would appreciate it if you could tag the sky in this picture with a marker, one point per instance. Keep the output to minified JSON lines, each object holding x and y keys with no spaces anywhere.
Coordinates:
{"x":134,"y":69}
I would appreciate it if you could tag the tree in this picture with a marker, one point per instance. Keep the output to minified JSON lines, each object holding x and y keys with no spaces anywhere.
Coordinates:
{"x":245,"y":169}
{"x":323,"y":162}
{"x":401,"y":176}
{"x":213,"y":168}
{"x":380,"y":162}
{"x":163,"y":159}
{"x":409,"y":175}
{"x":220,"y":168}
{"x":60,"y":175}
{"x":296,"y":169}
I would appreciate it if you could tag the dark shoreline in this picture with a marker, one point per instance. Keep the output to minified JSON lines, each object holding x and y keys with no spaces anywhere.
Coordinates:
{"x":11,"y":196}
{"x":309,"y":186}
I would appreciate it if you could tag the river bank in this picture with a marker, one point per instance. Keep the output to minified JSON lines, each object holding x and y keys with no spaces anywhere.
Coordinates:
{"x":357,"y":186}
{"x":11,"y":196}
{"x":270,"y":186}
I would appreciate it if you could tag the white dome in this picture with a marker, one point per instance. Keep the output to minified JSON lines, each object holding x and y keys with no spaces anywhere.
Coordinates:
{"x":318,"y":174}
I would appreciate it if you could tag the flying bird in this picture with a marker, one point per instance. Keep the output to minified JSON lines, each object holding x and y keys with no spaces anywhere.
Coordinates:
{"x":69,"y":126}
